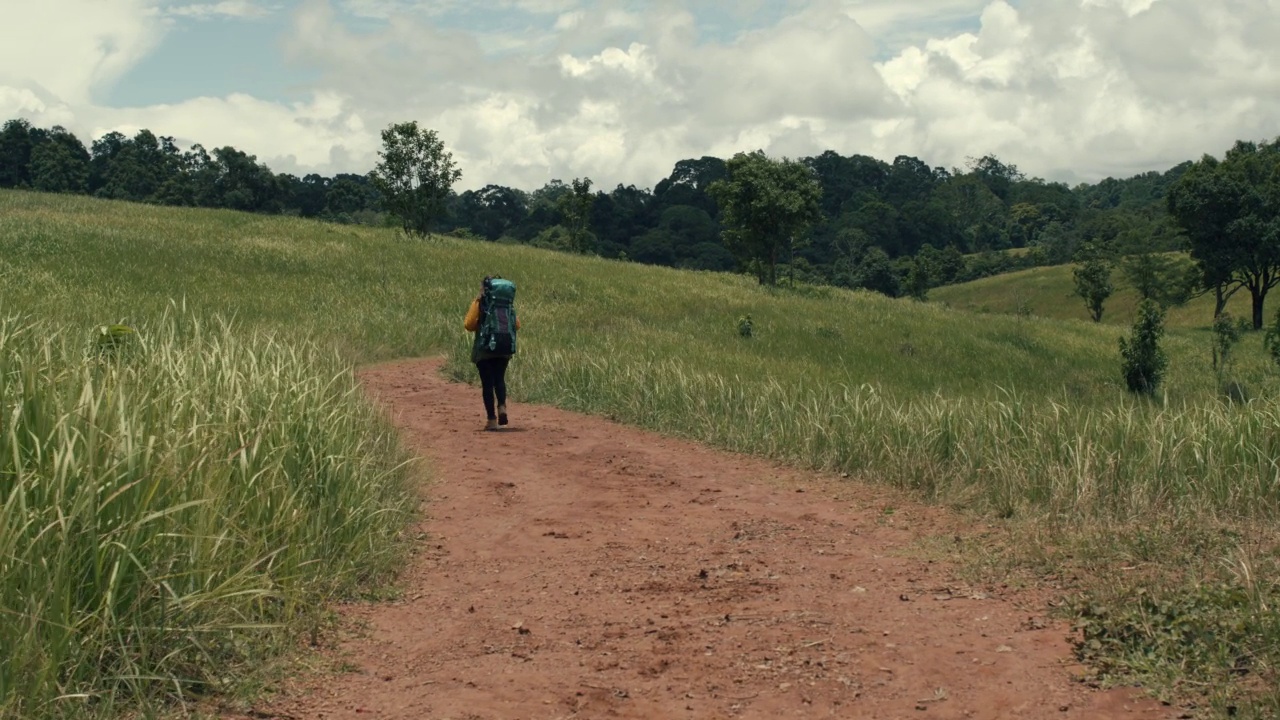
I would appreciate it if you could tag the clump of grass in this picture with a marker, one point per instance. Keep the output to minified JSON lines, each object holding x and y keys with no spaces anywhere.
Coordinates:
{"x":171,"y":514}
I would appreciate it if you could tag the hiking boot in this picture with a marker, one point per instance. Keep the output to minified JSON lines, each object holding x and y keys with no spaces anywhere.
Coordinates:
{"x":502,"y":414}
{"x":491,"y":424}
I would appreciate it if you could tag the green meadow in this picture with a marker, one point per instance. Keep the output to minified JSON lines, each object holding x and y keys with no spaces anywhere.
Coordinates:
{"x":171,"y":500}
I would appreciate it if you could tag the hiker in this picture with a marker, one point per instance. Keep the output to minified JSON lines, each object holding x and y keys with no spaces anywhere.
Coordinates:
{"x":492,"y":317}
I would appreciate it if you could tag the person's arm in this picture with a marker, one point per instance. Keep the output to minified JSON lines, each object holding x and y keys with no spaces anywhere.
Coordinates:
{"x":472,"y":322}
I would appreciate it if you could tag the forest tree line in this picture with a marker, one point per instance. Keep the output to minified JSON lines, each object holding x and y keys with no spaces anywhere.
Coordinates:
{"x":897,"y":227}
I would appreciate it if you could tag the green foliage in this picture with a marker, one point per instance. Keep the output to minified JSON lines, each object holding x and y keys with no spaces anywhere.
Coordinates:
{"x":1206,"y":635}
{"x":1164,"y":278}
{"x":1230,"y":211}
{"x":17,"y":140}
{"x":1226,"y":334}
{"x":414,"y":176}
{"x":1093,"y":283}
{"x":766,"y":206}
{"x":575,"y":207}
{"x":1271,"y":341}
{"x":919,"y":274}
{"x":60,"y":163}
{"x":745,"y":326}
{"x":1143,"y":361}
{"x":168,"y":521}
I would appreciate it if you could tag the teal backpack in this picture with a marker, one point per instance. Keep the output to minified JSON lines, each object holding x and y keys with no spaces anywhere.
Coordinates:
{"x":497,"y":334}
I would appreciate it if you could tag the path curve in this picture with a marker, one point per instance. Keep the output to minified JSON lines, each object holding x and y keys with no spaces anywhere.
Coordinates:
{"x":571,"y":567}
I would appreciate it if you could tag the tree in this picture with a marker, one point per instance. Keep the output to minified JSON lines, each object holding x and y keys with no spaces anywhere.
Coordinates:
{"x":16,"y":144}
{"x":133,"y":169}
{"x":1093,"y":283}
{"x":876,"y":272}
{"x":60,"y":163}
{"x":1230,"y":211}
{"x":765,"y":206}
{"x":997,"y":176}
{"x":414,"y":176}
{"x":575,"y":208}
{"x":242,"y":183}
{"x":1159,"y":277}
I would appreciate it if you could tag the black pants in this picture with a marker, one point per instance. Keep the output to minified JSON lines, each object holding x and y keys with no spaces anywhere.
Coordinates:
{"x":493,"y":380}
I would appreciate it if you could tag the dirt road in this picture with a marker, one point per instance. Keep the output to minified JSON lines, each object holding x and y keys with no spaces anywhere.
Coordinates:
{"x":574,"y":568}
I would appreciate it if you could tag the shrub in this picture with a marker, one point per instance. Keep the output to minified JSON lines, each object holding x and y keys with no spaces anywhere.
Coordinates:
{"x":1271,"y":341}
{"x":1143,"y":361}
{"x":1226,"y":333}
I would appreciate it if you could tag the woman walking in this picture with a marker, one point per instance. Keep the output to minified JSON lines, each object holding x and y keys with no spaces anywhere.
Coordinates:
{"x":492,"y":318}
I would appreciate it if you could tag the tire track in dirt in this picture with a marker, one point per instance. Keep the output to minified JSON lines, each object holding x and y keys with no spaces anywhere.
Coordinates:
{"x":571,"y":567}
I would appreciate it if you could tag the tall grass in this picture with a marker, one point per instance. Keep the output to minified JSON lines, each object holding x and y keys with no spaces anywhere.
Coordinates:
{"x":169,"y":505}
{"x":1131,"y":459}
{"x":1014,"y":417}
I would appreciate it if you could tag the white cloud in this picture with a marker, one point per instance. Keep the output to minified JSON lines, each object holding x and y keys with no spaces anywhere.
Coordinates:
{"x":303,"y":136}
{"x":1086,"y":90}
{"x":1066,"y":89}
{"x":226,"y":8}
{"x":634,"y":61}
{"x":70,"y":48}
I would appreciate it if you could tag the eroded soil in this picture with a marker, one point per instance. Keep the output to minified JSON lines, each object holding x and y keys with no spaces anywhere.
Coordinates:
{"x":570,"y":567}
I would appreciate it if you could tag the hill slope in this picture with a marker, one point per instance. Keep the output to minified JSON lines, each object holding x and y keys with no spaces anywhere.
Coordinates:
{"x":1014,"y":417}
{"x":1049,"y":292}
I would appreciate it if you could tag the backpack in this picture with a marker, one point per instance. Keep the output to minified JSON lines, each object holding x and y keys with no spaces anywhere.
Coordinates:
{"x":497,"y":334}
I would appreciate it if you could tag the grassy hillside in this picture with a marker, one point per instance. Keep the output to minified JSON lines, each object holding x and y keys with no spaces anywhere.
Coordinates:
{"x":1049,"y":292}
{"x":1015,"y":417}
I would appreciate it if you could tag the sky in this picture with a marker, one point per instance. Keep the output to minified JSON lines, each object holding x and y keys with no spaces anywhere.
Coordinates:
{"x":526,"y":91}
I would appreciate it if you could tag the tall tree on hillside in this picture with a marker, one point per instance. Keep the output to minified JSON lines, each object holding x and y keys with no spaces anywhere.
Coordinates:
{"x":766,"y":206}
{"x":575,"y":208}
{"x":1230,"y":210}
{"x":414,"y":175}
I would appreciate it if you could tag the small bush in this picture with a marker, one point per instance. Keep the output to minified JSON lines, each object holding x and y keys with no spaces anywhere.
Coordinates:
{"x":745,"y":326}
{"x":1143,"y":362}
{"x":1226,"y":333}
{"x":1271,"y":341}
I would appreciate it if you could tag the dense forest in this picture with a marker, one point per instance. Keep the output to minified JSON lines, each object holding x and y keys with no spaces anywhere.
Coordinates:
{"x":896,"y":227}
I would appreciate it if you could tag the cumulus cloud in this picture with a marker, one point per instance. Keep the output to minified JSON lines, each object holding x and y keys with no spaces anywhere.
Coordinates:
{"x":1103,"y":87}
{"x":70,"y":48}
{"x":523,"y":91}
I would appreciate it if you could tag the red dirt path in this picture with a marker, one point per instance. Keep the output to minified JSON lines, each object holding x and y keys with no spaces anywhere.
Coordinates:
{"x":571,"y":567}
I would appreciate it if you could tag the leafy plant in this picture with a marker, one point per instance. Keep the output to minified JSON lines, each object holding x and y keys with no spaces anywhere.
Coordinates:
{"x":745,"y":326}
{"x":1093,"y":283}
{"x":1271,"y":341}
{"x":1226,"y":333}
{"x":1143,"y":360}
{"x":1205,"y":634}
